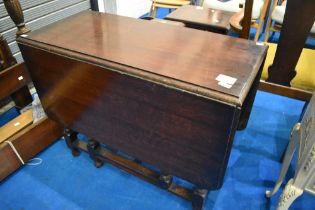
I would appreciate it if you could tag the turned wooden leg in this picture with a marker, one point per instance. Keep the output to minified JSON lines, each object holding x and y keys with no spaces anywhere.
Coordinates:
{"x":199,"y":198}
{"x":15,"y":12}
{"x":268,"y":24}
{"x":289,"y":194}
{"x":93,"y":150}
{"x":287,"y":158}
{"x":71,"y":137}
{"x":22,"y":97}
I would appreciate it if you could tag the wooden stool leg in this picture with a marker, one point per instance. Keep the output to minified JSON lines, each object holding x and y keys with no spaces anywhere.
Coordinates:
{"x":22,"y":97}
{"x":151,"y":10}
{"x":154,"y":12}
{"x":268,"y":25}
{"x":199,"y":198}
{"x":261,"y":19}
{"x":93,"y":150}
{"x":70,"y":138}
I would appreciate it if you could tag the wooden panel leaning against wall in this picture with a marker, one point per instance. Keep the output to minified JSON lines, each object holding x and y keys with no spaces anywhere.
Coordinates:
{"x":23,"y":136}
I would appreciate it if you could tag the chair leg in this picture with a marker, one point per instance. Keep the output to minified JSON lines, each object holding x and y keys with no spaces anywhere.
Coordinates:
{"x":268,"y":25}
{"x":154,"y":12}
{"x":261,"y":19}
{"x":267,"y":32}
{"x":151,"y":10}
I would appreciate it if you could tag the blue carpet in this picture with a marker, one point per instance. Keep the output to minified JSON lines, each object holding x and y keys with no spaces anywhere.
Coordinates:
{"x":64,"y":182}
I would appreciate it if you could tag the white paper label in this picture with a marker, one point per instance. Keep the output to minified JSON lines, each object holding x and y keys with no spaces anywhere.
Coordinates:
{"x":225,"y":85}
{"x":226,"y":81}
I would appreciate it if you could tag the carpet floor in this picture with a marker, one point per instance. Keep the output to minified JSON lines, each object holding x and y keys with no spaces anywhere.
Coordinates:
{"x":64,"y":182}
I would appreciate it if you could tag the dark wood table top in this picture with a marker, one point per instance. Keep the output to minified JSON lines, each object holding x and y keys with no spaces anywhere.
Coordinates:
{"x":180,"y":57}
{"x":201,"y":16}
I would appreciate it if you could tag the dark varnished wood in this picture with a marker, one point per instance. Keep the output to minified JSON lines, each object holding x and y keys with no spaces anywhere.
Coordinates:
{"x":181,"y":54}
{"x":242,"y":20}
{"x":101,"y":154}
{"x":247,"y":20}
{"x":282,"y":90}
{"x":28,"y":143}
{"x":13,"y":82}
{"x":292,"y":39}
{"x":15,"y":12}
{"x":6,"y":57}
{"x":22,"y":97}
{"x":158,"y":102}
{"x":249,"y":100}
{"x":10,"y":71}
{"x":115,"y":108}
{"x":202,"y":18}
{"x":9,"y":80}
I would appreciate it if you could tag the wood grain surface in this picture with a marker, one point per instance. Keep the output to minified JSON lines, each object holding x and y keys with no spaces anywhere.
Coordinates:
{"x":151,"y":100}
{"x":203,"y":18}
{"x":16,"y":125}
{"x":181,"y":54}
{"x":29,"y":142}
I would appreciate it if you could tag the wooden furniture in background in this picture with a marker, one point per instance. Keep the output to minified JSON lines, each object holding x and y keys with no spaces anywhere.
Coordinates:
{"x":257,"y":10}
{"x":172,"y":109}
{"x":240,"y":22}
{"x":288,"y":53}
{"x":202,"y":18}
{"x":13,"y":78}
{"x":15,"y":125}
{"x":27,"y":138}
{"x":292,"y":39}
{"x":170,"y":4}
{"x":276,"y":15}
{"x":303,"y":142}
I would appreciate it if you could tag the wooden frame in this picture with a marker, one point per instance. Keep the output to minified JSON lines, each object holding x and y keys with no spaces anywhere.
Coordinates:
{"x":289,"y":49}
{"x":276,"y":27}
{"x":242,"y":21}
{"x":171,"y":4}
{"x":28,"y":139}
{"x":292,"y":40}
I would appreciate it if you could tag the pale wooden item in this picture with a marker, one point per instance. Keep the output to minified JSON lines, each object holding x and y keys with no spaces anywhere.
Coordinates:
{"x":16,"y":125}
{"x":276,"y":27}
{"x":171,"y":4}
{"x":236,"y":20}
{"x":303,"y":141}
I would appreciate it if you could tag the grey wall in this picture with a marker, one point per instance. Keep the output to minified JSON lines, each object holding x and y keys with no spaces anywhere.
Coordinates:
{"x":38,"y":13}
